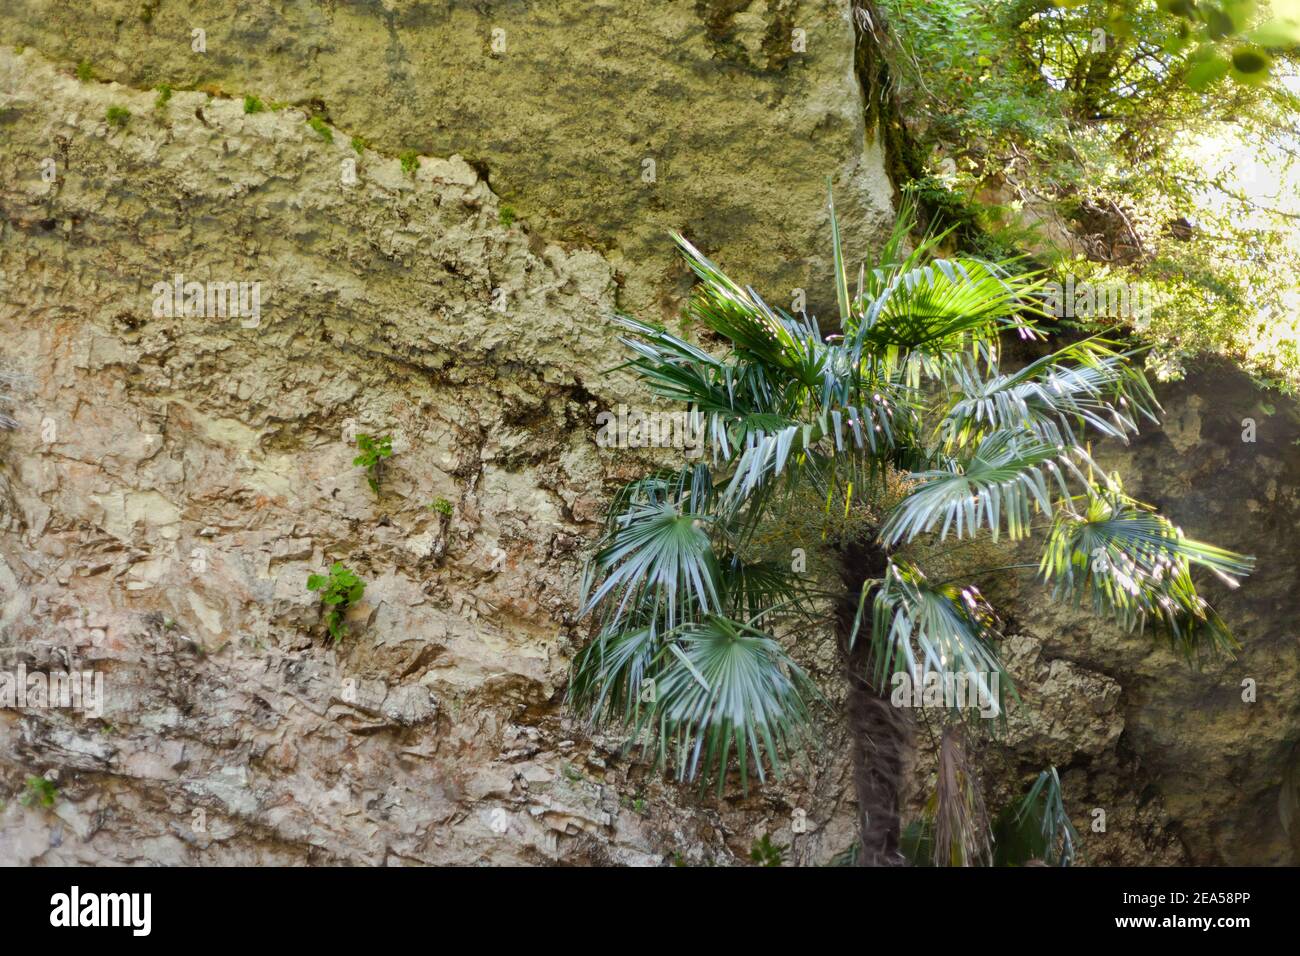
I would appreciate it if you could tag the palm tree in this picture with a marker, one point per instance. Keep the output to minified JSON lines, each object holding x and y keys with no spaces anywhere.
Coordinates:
{"x":914,"y":441}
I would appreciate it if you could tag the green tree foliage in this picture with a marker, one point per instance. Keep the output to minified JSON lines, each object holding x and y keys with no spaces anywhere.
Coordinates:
{"x":1163,"y":136}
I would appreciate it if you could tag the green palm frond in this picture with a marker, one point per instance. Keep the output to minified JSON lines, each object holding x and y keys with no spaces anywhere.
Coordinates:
{"x":677,"y":370}
{"x":756,"y":590}
{"x":735,"y":313}
{"x":917,"y":312}
{"x":663,"y":345}
{"x":612,"y":674}
{"x":867,"y":428}
{"x":657,"y":557}
{"x":729,"y":687}
{"x":729,"y":400}
{"x":1002,"y":483}
{"x":672,"y":613}
{"x":791,"y":350}
{"x":900,"y":252}
{"x":741,"y":400}
{"x":1100,"y":388}
{"x":1136,"y":566}
{"x":1039,"y":828}
{"x":921,"y":628}
{"x":944,"y":308}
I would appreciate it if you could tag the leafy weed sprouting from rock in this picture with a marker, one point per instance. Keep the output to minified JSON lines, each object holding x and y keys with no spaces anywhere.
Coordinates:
{"x":117,"y":116}
{"x":339,"y":590}
{"x":373,"y":452}
{"x":766,"y":853}
{"x":322,"y":129}
{"x":40,"y":791}
{"x":410,"y":161}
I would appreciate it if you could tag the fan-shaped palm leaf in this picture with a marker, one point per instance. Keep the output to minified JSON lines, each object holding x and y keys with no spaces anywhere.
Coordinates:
{"x":610,"y":675}
{"x":730,"y":686}
{"x":922,"y":628}
{"x":1001,"y":483}
{"x":1136,"y":565}
{"x":733,"y":312}
{"x":657,"y":553}
{"x":755,"y":590}
{"x":1049,"y":398}
{"x":866,"y":429}
{"x":945,"y":307}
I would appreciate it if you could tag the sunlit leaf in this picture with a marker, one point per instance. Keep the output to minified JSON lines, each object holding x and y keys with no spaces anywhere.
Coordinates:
{"x":1276,"y":33}
{"x":1136,"y":567}
{"x":1250,"y":61}
{"x":1201,"y":75}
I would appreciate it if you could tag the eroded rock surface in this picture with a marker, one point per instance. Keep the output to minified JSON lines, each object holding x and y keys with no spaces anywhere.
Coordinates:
{"x":603,"y":123}
{"x":174,"y":480}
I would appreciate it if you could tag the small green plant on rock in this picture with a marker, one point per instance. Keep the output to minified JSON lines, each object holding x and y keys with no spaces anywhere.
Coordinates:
{"x":410,"y":161}
{"x":360,"y":144}
{"x":40,"y":791}
{"x":339,"y":590}
{"x":766,"y":853}
{"x":253,"y":105}
{"x":442,"y":506}
{"x":164,"y":94}
{"x":117,"y":116}
{"x":322,"y":129}
{"x":373,"y":452}
{"x":85,"y":72}
{"x":507,"y":216}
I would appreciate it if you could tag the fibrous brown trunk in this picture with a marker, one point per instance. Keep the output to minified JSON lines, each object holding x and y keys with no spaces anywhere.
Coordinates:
{"x":880,"y":733}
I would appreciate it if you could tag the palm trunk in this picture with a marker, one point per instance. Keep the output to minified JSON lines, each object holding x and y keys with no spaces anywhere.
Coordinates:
{"x":880,"y":734}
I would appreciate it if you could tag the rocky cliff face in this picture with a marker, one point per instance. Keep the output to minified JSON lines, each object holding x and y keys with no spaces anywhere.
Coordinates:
{"x":603,"y":124}
{"x":1190,"y":764}
{"x":175,"y":477}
